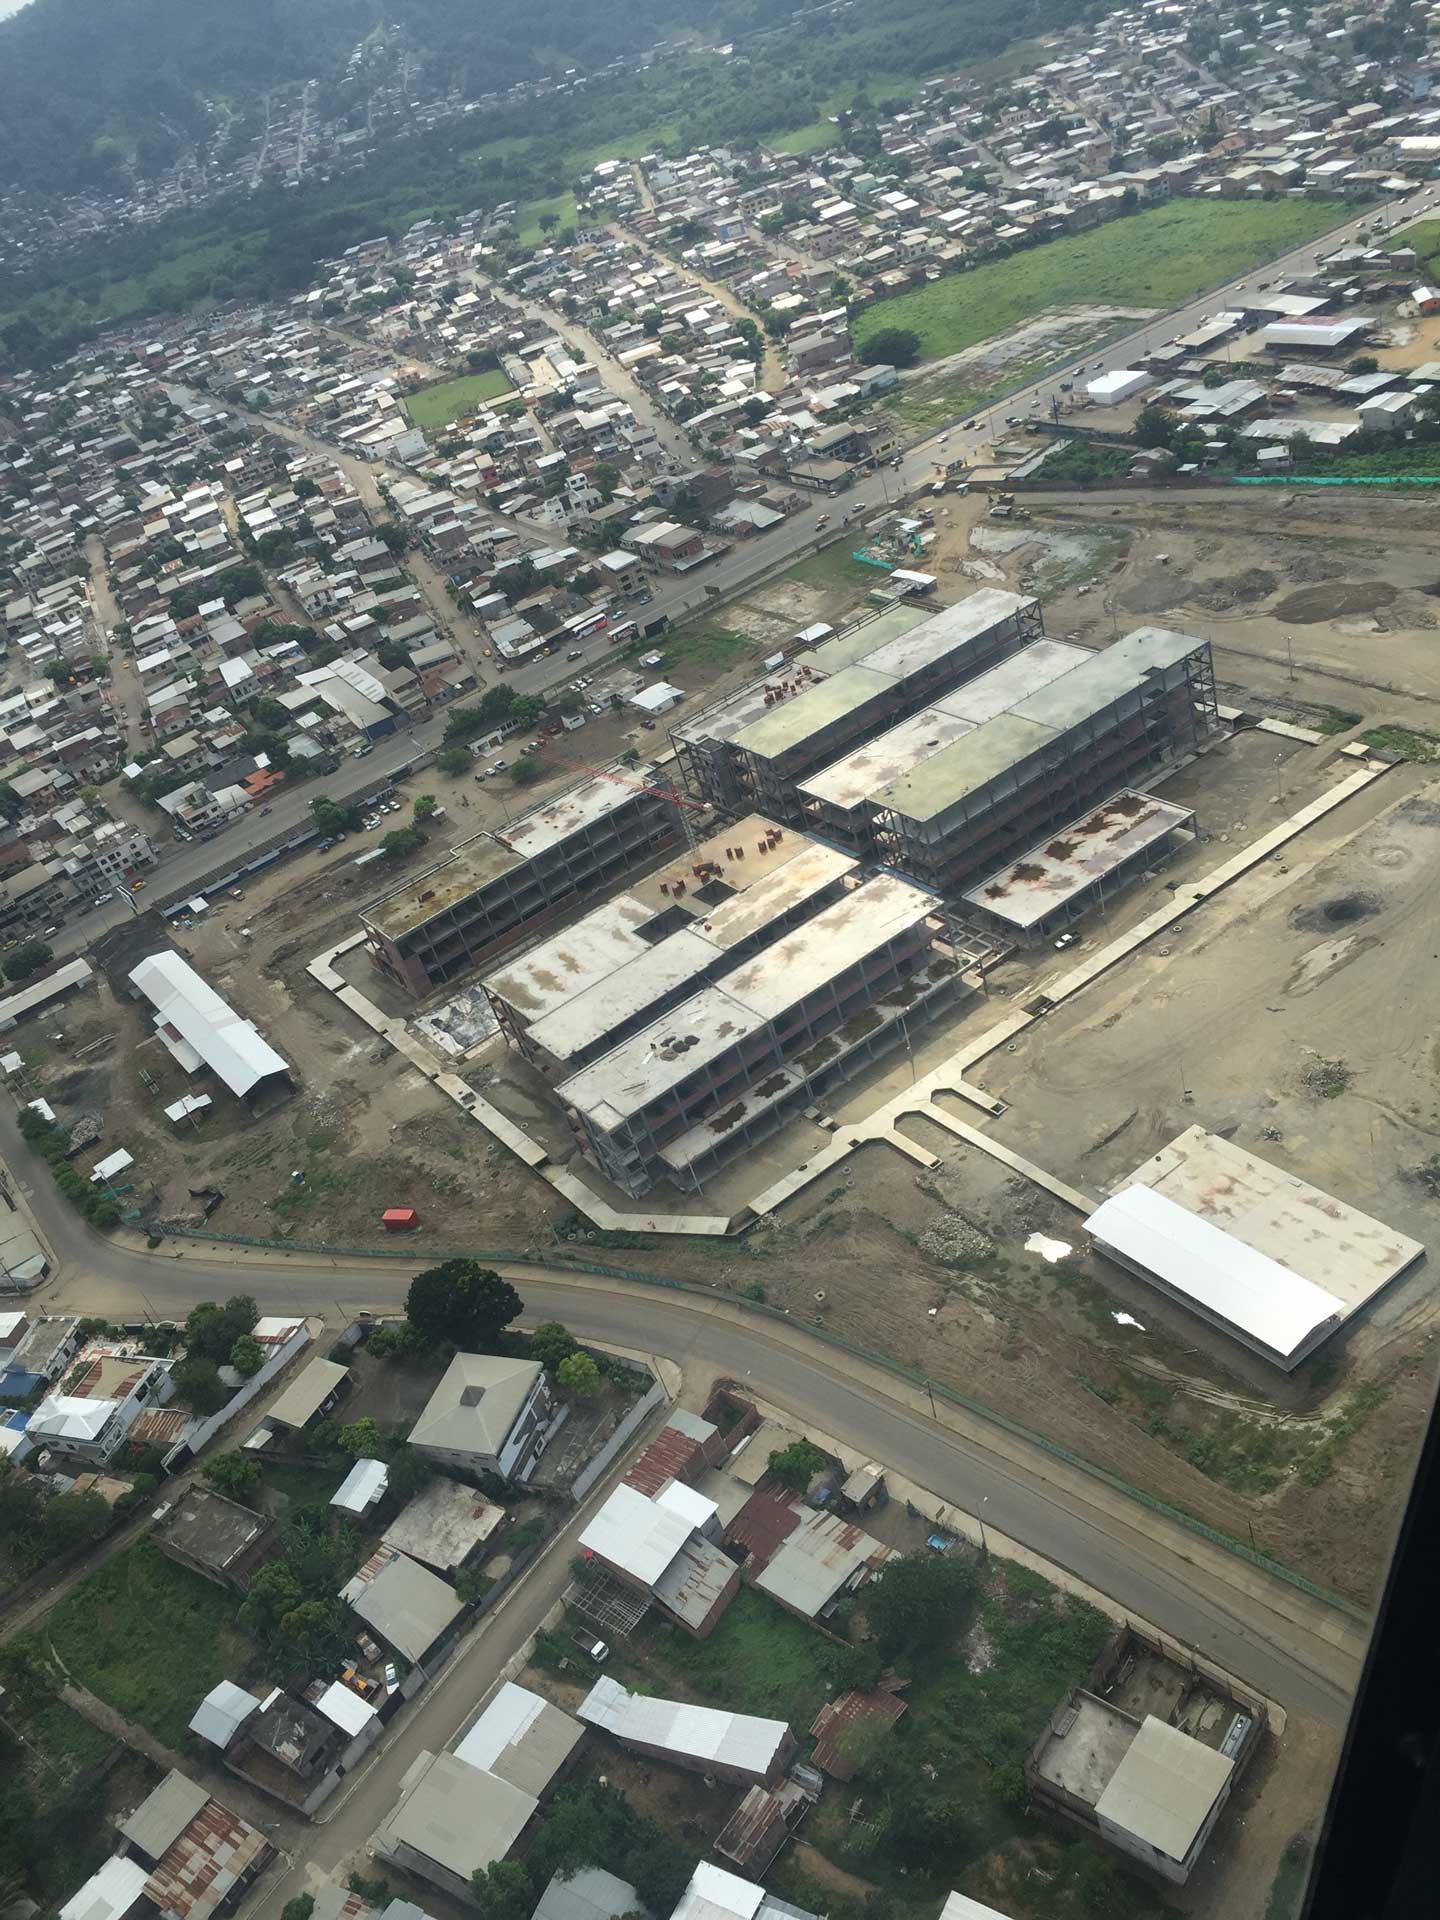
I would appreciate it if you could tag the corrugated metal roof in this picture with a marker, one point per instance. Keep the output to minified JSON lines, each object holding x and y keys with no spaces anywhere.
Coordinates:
{"x":108,"y":1894}
{"x":671,"y":1455}
{"x":819,"y":1559}
{"x":364,"y":1483}
{"x":222,"y":1712}
{"x":307,"y":1393}
{"x":164,"y":1814}
{"x":229,"y":1046}
{"x":1164,"y":1787}
{"x":591,"y":1894}
{"x":714,"y":1894}
{"x":631,"y":1532}
{"x":202,"y":1867}
{"x":521,"y":1738}
{"x":1220,"y":1274}
{"x":740,"y":1740}
{"x":407,"y":1605}
{"x":457,"y":1816}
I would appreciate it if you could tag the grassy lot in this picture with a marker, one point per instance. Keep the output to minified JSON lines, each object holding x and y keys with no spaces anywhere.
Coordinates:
{"x":151,"y":1638}
{"x":447,"y":400}
{"x":701,"y":645}
{"x":289,"y":1487}
{"x":1403,"y":742}
{"x":758,"y":1660}
{"x":806,"y":139}
{"x":527,"y":217}
{"x":1424,"y":237}
{"x":833,"y":570}
{"x":1158,"y":258}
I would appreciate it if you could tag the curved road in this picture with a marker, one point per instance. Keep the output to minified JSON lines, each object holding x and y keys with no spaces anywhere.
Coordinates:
{"x":1299,"y":1650}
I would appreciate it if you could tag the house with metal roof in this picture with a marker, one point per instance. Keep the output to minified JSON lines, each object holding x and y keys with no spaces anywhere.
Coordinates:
{"x":222,"y":1713}
{"x":666,"y":1545}
{"x":182,"y":1856}
{"x":740,"y":1747}
{"x":489,"y":1414}
{"x":408,"y":1607}
{"x":362,"y":1488}
{"x":522,"y":1738}
{"x":590,"y":1894}
{"x":97,"y":1404}
{"x":312,"y":1393}
{"x":714,"y":1893}
{"x":814,"y":1567}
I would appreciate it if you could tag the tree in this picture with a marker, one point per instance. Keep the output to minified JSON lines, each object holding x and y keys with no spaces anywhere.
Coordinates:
{"x":197,"y":1382}
{"x":212,"y":1330}
{"x":247,"y":1356}
{"x":796,"y":1466}
{"x":452,"y":761}
{"x":425,"y":807}
{"x":243,"y":582}
{"x":395,"y":537}
{"x":1363,"y":363}
{"x":317,"y":1635}
{"x":27,"y":959}
{"x":362,"y":1440}
{"x":548,"y":222}
{"x":273,"y":1592}
{"x":891,"y":347}
{"x":11,"y":805}
{"x":503,"y":1890}
{"x":551,"y":1343}
{"x":841,"y":288}
{"x":462,"y":1303}
{"x":400,"y":844}
{"x":334,"y":816}
{"x":300,"y":1908}
{"x":525,"y":771}
{"x":918,"y":1602}
{"x":526,"y":709}
{"x":73,"y":1520}
{"x":1154,"y":427}
{"x":578,"y":1377}
{"x":233,"y":1474}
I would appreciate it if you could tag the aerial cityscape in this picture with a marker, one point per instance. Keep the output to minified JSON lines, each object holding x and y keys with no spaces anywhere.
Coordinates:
{"x":720,"y":773}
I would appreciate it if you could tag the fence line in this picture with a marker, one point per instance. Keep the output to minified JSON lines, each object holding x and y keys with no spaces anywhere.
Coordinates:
{"x":556,"y":1261}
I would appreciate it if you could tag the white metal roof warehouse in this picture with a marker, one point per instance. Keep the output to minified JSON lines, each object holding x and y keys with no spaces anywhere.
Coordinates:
{"x":1268,"y":1259}
{"x":201,"y":1029}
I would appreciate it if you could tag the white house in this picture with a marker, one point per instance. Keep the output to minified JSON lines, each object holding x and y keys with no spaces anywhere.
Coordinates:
{"x":487,"y":1414}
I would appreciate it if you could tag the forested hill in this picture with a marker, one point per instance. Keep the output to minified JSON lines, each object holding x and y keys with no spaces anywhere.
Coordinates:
{"x":90,"y":88}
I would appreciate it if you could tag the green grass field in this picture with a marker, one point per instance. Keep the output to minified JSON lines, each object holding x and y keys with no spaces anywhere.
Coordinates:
{"x":150,"y":1638}
{"x":758,"y":1660}
{"x":436,"y":406}
{"x":527,"y":217}
{"x":698,"y":644}
{"x":1158,"y":259}
{"x":806,"y":139}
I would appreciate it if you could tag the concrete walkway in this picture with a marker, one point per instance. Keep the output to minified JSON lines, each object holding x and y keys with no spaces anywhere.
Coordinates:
{"x":882,"y":1126}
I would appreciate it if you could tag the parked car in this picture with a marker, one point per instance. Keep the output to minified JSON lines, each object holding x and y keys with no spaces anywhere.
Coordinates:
{"x":102,"y":899}
{"x":587,"y":1643}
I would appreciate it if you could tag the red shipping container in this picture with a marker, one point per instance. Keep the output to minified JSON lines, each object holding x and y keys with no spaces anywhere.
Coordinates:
{"x":399,"y":1219}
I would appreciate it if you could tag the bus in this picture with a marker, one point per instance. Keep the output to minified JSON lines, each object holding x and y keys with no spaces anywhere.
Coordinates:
{"x":625,"y":630}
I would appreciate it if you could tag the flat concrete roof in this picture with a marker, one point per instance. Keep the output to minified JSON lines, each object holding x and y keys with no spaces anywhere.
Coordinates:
{"x":793,"y":721}
{"x":1083,"y":1759}
{"x":951,"y":630}
{"x":849,"y":782}
{"x":469,"y":867}
{"x":555,"y":971}
{"x":570,"y":812}
{"x":1023,"y":673}
{"x":668,"y":1051}
{"x":810,"y":868}
{"x":856,"y":643}
{"x":1068,"y":862}
{"x":754,"y":859}
{"x":1328,"y":1242}
{"x":838,"y":938}
{"x":625,"y":993}
{"x":738,"y":710}
{"x":1107,"y":676}
{"x":969,"y":763}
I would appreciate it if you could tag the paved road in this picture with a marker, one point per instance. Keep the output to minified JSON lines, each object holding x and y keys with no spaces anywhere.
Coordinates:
{"x":1300,"y":1651}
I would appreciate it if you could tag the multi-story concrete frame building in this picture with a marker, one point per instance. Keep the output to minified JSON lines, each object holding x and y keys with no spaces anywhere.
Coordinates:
{"x":752,"y":749}
{"x":1115,"y":720}
{"x":724,"y":1067}
{"x":491,"y":888}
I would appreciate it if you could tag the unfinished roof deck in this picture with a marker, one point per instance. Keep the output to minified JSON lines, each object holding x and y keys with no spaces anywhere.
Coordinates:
{"x":470,"y":867}
{"x":829,"y":945}
{"x":810,"y":869}
{"x":790,"y":723}
{"x":1351,"y":1255}
{"x":737,"y":711}
{"x":858,"y":642}
{"x":1108,"y":676}
{"x":1070,"y":862}
{"x":946,"y":778}
{"x":625,"y":994}
{"x":757,"y":858}
{"x":557,"y":970}
{"x":849,"y":782}
{"x":951,"y":631}
{"x":1008,"y":681}
{"x":637,"y":1073}
{"x":571,"y":812}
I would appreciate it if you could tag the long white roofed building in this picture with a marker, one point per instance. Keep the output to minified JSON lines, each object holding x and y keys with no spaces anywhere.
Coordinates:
{"x":199,"y":1029}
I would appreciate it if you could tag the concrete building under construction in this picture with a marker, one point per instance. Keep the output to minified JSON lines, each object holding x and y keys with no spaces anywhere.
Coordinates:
{"x":689,"y":1015}
{"x":496,"y":885}
{"x":754,"y":748}
{"x":1113,"y":720}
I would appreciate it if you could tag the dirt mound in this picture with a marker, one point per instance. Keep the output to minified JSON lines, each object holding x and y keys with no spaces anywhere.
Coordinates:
{"x":1236,"y":590}
{"x":1339,"y":602}
{"x":1319,"y":566}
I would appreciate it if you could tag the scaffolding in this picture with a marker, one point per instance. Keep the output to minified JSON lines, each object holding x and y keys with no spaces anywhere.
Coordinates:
{"x":600,"y":1598}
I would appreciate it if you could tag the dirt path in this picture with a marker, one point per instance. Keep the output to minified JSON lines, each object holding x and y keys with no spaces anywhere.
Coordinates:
{"x":772,"y":373}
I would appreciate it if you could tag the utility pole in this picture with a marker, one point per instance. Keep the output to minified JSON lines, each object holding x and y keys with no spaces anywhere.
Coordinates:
{"x":1290,"y":654}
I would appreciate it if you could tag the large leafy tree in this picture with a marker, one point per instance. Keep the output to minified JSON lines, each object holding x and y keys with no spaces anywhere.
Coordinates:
{"x":918,"y":1601}
{"x":463,"y":1304}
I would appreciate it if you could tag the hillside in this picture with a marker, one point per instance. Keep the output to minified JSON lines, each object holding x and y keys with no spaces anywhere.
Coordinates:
{"x":91,"y":88}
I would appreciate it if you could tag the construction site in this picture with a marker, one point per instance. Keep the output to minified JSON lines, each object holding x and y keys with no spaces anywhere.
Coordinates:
{"x":1213,"y":957}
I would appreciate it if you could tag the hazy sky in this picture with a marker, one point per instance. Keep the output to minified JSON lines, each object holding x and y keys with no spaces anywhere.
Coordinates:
{"x":10,"y":6}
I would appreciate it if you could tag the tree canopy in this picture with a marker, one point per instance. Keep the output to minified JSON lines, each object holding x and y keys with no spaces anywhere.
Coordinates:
{"x":463,"y":1304}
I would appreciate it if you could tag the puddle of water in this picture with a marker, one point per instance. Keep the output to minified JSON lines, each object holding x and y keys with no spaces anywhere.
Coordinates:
{"x":1048,"y":1249}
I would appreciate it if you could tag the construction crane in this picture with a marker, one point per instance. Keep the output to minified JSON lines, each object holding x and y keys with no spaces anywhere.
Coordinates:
{"x":670,"y":793}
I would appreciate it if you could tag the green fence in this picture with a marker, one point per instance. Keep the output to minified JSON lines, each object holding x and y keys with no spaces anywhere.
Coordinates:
{"x":1332,"y":480}
{"x":556,"y":1260}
